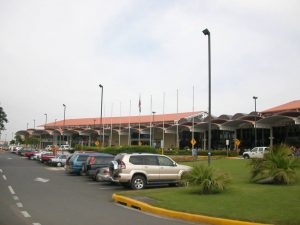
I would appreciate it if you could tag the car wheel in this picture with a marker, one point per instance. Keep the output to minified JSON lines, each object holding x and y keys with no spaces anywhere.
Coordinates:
{"x":246,"y":156}
{"x":58,"y":164}
{"x":138,"y":182}
{"x":31,"y":157}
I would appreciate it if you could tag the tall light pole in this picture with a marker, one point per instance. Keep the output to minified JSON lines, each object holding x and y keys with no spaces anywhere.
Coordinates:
{"x":206,"y":32}
{"x":64,"y":120}
{"x":33,"y":124}
{"x":27,"y":126}
{"x":152,"y":127}
{"x":101,"y":86}
{"x":45,"y":120}
{"x":255,"y":135}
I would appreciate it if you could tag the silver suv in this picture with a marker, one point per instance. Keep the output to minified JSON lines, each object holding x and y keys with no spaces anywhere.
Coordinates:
{"x":137,"y":170}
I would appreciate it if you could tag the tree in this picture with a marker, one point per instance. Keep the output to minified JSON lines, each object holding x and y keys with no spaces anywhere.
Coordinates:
{"x":3,"y":119}
{"x":277,"y":167}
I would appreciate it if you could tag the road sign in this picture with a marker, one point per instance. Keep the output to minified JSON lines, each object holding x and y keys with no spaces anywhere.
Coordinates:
{"x":97,"y":143}
{"x":193,"y":141}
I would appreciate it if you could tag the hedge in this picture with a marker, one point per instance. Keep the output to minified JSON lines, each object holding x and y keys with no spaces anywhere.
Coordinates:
{"x":148,"y":149}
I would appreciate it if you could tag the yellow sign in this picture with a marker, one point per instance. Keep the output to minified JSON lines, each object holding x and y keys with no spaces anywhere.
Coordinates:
{"x":237,"y":142}
{"x":193,"y":141}
{"x":97,"y":143}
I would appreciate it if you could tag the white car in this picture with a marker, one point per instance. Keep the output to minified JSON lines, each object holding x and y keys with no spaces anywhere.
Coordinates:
{"x":65,"y":148}
{"x":59,"y":160}
{"x":257,"y":152}
{"x":38,"y":156}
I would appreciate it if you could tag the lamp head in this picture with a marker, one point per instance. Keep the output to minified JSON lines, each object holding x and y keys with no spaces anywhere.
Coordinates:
{"x":100,"y":85}
{"x":254,"y":97}
{"x":64,"y":105}
{"x":206,"y":32}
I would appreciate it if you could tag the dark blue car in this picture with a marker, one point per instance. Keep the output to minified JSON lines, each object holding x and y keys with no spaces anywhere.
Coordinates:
{"x":74,"y":164}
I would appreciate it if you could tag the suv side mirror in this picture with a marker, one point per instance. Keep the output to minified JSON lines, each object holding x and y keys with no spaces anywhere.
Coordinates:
{"x":174,"y":164}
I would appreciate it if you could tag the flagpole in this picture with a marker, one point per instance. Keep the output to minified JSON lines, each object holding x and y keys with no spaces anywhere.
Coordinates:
{"x":163,"y":144}
{"x":111,"y":112}
{"x":103,"y":128}
{"x":120,"y":125}
{"x":193,"y":119}
{"x":129,"y":134}
{"x":140,"y":104}
{"x":150,"y":120}
{"x":177,"y":129}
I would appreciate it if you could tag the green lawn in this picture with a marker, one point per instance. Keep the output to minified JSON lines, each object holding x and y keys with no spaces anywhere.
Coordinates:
{"x":276,"y":204}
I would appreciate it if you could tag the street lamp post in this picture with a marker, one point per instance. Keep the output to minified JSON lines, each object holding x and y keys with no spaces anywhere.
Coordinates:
{"x":64,"y":121}
{"x":206,"y":32}
{"x":101,"y":86}
{"x":152,"y":127}
{"x":33,"y":124}
{"x":255,"y":134}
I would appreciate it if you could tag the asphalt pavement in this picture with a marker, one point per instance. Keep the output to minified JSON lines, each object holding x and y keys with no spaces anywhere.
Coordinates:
{"x":32,"y":193}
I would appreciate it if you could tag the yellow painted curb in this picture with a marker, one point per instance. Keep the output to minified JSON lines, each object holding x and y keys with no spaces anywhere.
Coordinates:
{"x":178,"y":215}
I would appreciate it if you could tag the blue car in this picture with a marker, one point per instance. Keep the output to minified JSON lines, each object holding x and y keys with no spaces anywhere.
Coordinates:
{"x":75,"y":163}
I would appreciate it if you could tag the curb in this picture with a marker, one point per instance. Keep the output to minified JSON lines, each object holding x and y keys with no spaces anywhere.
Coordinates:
{"x":178,"y":215}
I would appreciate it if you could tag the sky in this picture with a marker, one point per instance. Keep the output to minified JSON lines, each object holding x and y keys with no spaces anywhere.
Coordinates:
{"x":56,"y":52}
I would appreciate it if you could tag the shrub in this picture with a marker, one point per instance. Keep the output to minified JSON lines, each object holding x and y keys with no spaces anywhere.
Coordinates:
{"x":128,"y":149}
{"x":277,"y":167}
{"x":207,"y":180}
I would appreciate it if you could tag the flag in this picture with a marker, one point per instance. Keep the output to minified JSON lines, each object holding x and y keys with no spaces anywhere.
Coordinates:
{"x":140,"y":105}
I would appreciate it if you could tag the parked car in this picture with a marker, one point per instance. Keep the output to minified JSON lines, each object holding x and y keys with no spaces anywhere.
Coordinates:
{"x":31,"y":154}
{"x":74,"y":164}
{"x":65,"y":148}
{"x":38,"y":155}
{"x":137,"y":170}
{"x":103,"y":174}
{"x":59,"y":160}
{"x":46,"y":157}
{"x":257,"y":152}
{"x":94,"y":162}
{"x":49,"y":147}
{"x":24,"y":150}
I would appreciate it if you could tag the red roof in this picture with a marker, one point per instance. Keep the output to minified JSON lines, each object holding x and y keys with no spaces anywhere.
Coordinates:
{"x":294,"y":105}
{"x":122,"y":120}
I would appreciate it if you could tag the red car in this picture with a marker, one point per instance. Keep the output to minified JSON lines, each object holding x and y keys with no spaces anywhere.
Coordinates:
{"x":30,"y":154}
{"x":46,"y":157}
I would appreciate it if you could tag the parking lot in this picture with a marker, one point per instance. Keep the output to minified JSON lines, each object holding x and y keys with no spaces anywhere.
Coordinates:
{"x":33,"y":193}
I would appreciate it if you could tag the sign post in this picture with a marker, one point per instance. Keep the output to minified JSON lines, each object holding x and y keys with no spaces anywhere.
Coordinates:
{"x":227,"y":146}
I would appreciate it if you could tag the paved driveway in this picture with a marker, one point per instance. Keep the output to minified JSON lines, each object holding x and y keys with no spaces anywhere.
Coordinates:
{"x":32,"y":193}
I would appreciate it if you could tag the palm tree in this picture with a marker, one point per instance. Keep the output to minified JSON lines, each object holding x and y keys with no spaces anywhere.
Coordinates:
{"x":206,"y":178}
{"x":277,"y":167}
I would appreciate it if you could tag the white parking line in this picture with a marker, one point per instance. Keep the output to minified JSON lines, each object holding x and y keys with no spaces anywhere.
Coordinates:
{"x":1,"y":171}
{"x":19,"y":204}
{"x":11,"y":190}
{"x":36,"y":224}
{"x":15,"y":197}
{"x":25,"y":214}
{"x":4,"y":177}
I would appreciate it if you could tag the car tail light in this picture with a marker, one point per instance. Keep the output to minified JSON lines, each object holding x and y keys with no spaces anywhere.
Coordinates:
{"x":122,"y":165}
{"x":92,"y":160}
{"x":106,"y":171}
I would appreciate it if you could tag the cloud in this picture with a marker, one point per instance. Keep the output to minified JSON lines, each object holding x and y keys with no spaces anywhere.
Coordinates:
{"x":57,"y":52}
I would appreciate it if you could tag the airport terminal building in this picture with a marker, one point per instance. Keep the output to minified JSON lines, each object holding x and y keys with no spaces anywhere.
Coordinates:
{"x":280,"y":124}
